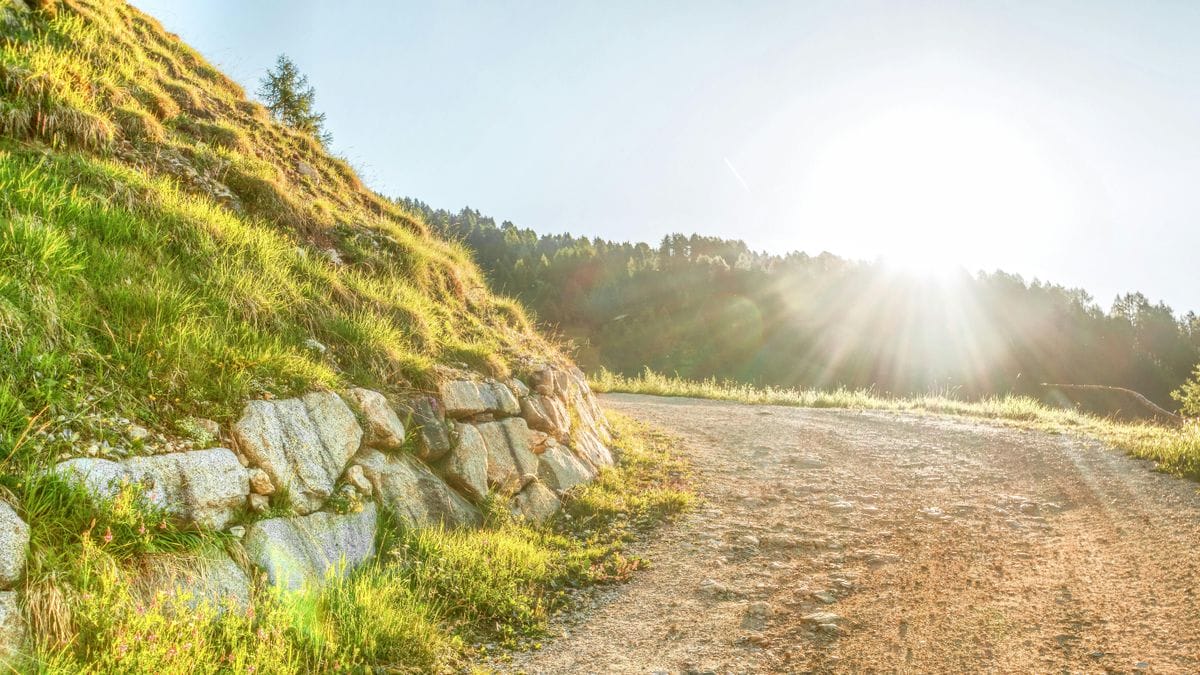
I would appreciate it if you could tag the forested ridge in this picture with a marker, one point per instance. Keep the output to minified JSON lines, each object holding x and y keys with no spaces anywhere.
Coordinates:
{"x":710,"y":307}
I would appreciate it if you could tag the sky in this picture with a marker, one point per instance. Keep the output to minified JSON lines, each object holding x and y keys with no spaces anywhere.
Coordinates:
{"x":1057,"y":140}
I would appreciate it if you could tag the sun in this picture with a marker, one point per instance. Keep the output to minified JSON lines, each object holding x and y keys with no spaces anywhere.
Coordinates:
{"x":932,"y":188}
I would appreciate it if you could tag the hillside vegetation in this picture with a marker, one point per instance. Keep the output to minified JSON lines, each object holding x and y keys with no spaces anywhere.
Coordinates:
{"x":706,"y":307}
{"x":168,"y":250}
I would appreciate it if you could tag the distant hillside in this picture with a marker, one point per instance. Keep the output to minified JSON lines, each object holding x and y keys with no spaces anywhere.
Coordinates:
{"x":167,"y":249}
{"x":705,"y":306}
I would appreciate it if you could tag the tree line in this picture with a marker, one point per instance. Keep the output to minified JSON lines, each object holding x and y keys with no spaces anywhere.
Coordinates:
{"x":705,"y":306}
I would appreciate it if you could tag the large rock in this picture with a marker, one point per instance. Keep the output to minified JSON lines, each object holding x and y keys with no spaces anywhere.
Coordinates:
{"x":12,"y":629}
{"x":14,"y":544}
{"x":383,"y":430}
{"x":211,"y":578}
{"x":426,"y":415}
{"x":561,"y":471}
{"x":519,"y":388}
{"x":102,"y":478}
{"x":589,"y":447}
{"x":413,"y":492}
{"x":204,"y":486}
{"x":303,"y":444}
{"x":303,"y":551}
{"x":465,"y":467}
{"x":546,"y":413}
{"x":508,"y":450}
{"x":506,"y":401}
{"x":465,"y":398}
{"x":535,"y":502}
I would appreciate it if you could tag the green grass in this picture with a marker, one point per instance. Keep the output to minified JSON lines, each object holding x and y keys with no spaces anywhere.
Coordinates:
{"x":1176,"y":450}
{"x":161,"y":258}
{"x":432,"y":600}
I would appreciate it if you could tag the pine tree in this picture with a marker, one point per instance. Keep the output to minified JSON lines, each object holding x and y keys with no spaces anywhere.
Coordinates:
{"x":287,"y":95}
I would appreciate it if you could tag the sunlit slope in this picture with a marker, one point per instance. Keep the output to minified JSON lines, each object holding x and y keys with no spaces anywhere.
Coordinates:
{"x":167,"y":250}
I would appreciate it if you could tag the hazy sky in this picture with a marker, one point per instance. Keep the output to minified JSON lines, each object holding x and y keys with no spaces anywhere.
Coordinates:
{"x":1057,"y":140}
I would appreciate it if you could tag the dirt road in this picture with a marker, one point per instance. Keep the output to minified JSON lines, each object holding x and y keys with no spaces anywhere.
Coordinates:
{"x":836,"y":541}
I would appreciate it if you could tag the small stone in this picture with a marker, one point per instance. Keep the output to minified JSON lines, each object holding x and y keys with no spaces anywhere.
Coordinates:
{"x":306,"y":170}
{"x":821,"y":618}
{"x":356,"y":478}
{"x":137,"y":433}
{"x":314,"y":345}
{"x":713,"y":589}
{"x":260,"y":482}
{"x":209,"y":427}
{"x":760,"y":609}
{"x":748,"y":540}
{"x":333,"y":256}
{"x":825,"y":597}
{"x":841,"y":506}
{"x":238,"y":531}
{"x":259,"y":503}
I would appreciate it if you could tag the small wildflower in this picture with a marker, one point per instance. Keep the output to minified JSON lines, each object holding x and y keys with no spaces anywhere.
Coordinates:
{"x":108,"y":536}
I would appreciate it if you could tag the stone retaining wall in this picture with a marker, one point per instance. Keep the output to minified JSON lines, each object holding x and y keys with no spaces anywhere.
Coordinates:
{"x":429,"y":460}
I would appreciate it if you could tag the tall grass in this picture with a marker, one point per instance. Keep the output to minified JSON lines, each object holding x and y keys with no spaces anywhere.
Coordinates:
{"x":1175,"y":450}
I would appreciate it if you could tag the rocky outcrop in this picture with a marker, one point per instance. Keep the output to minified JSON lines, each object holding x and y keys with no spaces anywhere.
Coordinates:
{"x":465,"y":467}
{"x":560,"y":470}
{"x":14,"y":544}
{"x":383,"y":428}
{"x":413,"y":492}
{"x":508,"y":450}
{"x":304,"y":444}
{"x":204,"y":486}
{"x":303,"y":550}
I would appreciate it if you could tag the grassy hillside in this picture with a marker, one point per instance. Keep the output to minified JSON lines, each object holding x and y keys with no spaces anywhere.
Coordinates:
{"x":168,"y":251}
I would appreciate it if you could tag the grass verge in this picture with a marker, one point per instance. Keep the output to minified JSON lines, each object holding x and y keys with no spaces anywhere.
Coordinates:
{"x":432,"y":601}
{"x":1176,"y":450}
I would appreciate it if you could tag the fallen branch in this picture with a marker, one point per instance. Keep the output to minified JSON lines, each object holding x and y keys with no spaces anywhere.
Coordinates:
{"x":1146,"y":403}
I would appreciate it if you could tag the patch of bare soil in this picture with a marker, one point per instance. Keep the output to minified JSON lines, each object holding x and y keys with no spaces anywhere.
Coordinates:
{"x":835,"y":541}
